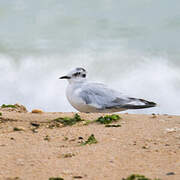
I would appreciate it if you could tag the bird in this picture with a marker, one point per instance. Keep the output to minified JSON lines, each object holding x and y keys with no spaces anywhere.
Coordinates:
{"x":91,"y":97}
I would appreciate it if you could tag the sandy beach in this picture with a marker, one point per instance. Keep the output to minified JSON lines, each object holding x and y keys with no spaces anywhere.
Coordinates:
{"x":31,"y":147}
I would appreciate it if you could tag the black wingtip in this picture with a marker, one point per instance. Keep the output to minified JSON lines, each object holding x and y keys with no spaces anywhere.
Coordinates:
{"x":148,"y":103}
{"x":153,"y":104}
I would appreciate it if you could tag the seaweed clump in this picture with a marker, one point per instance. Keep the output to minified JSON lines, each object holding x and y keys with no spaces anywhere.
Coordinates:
{"x":108,"y":119}
{"x":8,"y":106}
{"x":56,"y":178}
{"x":91,"y":140}
{"x":13,"y":107}
{"x":67,"y":121}
{"x":18,"y":129}
{"x":137,"y":177}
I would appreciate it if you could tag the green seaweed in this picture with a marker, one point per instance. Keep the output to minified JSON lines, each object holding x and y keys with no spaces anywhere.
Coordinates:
{"x":8,"y":106}
{"x":108,"y":119}
{"x":56,"y":178}
{"x":137,"y":177}
{"x":67,"y":121}
{"x":91,"y":140}
{"x":87,"y":122}
{"x":17,"y":129}
{"x":65,"y":138}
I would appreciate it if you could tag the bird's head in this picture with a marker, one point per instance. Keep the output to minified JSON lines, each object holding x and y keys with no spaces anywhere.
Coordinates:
{"x":76,"y":75}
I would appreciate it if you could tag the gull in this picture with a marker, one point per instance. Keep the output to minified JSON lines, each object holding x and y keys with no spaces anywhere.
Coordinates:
{"x":92,"y":97}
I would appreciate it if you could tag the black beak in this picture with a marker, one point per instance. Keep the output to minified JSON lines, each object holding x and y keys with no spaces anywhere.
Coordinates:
{"x":65,"y":77}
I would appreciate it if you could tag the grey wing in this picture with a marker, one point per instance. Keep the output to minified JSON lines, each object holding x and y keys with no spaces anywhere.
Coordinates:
{"x":102,"y":97}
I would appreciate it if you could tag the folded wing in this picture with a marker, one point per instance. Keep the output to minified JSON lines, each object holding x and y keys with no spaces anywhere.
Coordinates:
{"x":102,"y":97}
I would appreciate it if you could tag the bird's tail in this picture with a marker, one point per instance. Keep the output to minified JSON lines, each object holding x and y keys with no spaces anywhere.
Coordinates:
{"x":141,"y":103}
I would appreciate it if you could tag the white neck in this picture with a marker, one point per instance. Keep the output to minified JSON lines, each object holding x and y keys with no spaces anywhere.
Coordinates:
{"x":76,"y":80}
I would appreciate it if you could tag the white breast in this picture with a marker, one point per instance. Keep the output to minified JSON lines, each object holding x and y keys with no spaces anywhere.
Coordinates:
{"x":74,"y":99}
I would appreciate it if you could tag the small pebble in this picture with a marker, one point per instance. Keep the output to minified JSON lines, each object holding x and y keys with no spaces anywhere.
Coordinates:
{"x":145,"y":147}
{"x":68,"y":155}
{"x":37,"y":111}
{"x":154,"y":115}
{"x":77,"y":177}
{"x":170,"y":173}
{"x":2,"y":145}
{"x":35,"y":124}
{"x":34,"y":130}
{"x":47,"y":138}
{"x":80,"y":137}
{"x":112,"y":125}
{"x":134,"y":143}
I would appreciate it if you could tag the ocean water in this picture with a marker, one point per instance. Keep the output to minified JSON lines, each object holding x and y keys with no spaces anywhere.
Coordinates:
{"x":133,"y":46}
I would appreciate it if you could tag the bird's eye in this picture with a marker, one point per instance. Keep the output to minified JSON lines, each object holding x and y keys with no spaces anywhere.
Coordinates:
{"x":83,"y":75}
{"x":77,"y":74}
